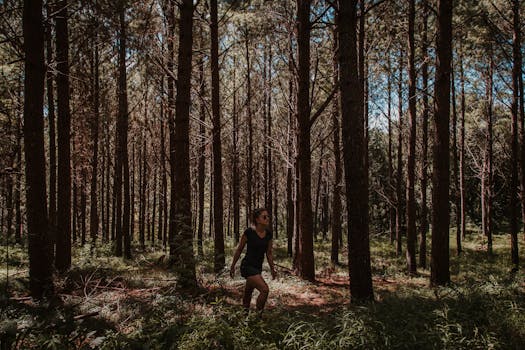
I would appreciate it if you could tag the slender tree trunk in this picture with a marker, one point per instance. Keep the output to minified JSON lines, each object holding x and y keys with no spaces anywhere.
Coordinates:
{"x":63,"y":239}
{"x":249,"y":186}
{"x":516,"y":72}
{"x":336,"y":199}
{"x":235,"y":170}
{"x":163,"y":222}
{"x":462,"y":149}
{"x":275,"y":205}
{"x":324,"y":213}
{"x":296,"y":237}
{"x":455,"y":164}
{"x":318,"y":191}
{"x":202,"y":154}
{"x":83,"y":201}
{"x":270,"y":175}
{"x":290,"y":181}
{"x":162,"y":194}
{"x":210,"y":212}
{"x":9,"y":188}
{"x":306,"y":267}
{"x":440,"y":273}
{"x":17,"y":200}
{"x":362,"y":74}
{"x":143,"y":176}
{"x":51,"y":119}
{"x":133,"y":180}
{"x":74,"y":223}
{"x":488,"y":158}
{"x":391,"y":191}
{"x":123,"y":213}
{"x":522,"y":125}
{"x":154,"y":209}
{"x":94,"y":219}
{"x":109,"y":198}
{"x":171,"y":120}
{"x":103,"y":199}
{"x":424,"y":162}
{"x":218,"y":208}
{"x":411,"y":162}
{"x":181,"y":249}
{"x":148,"y":210}
{"x":399,"y":177}
{"x":40,"y":245}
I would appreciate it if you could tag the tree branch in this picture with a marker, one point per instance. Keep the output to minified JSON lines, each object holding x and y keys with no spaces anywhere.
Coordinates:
{"x":323,"y":106}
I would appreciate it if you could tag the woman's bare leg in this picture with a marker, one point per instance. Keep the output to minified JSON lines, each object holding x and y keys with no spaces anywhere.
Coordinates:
{"x":248,"y":290}
{"x":258,"y":282}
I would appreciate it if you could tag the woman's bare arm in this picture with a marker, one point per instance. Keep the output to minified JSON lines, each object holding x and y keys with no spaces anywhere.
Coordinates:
{"x":269,"y":257}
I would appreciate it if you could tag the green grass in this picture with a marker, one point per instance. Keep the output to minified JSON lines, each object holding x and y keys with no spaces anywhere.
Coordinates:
{"x":139,"y":306}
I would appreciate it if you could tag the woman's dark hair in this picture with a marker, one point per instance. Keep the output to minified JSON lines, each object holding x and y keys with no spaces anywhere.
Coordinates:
{"x":256,"y":213}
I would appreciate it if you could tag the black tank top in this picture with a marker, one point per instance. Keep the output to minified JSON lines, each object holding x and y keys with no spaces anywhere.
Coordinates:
{"x":257,"y":247}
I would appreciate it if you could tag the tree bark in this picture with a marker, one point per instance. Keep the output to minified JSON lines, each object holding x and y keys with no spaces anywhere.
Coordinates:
{"x":318,"y":191}
{"x":399,"y":174}
{"x":336,"y":198}
{"x":143,"y":176}
{"x":235,"y":160}
{"x":487,"y":167}
{"x":181,"y":249}
{"x":411,"y":161}
{"x":455,"y":164}
{"x":391,"y":191}
{"x":249,"y":186}
{"x":40,"y":248}
{"x":440,"y":272}
{"x":516,"y":72}
{"x":154,"y":210}
{"x":94,"y":219}
{"x":201,"y":167}
{"x":17,"y":199}
{"x":306,"y":267}
{"x":83,"y":204}
{"x":51,"y":120}
{"x":270,"y":174}
{"x":122,"y":169}
{"x":63,"y":239}
{"x":424,"y":156}
{"x":290,"y":181}
{"x":218,"y":208}
{"x":354,"y":155}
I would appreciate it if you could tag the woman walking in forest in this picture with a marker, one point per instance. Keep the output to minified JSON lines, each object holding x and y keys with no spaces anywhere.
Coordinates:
{"x":259,"y":240}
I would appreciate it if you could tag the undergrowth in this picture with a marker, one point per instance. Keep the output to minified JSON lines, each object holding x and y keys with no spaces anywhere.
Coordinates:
{"x":109,"y":303}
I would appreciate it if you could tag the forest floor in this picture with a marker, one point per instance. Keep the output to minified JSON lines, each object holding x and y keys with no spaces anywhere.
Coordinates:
{"x":106,"y":302}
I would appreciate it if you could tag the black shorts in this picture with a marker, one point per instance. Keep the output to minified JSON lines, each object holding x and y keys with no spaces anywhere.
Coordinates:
{"x":248,"y":270}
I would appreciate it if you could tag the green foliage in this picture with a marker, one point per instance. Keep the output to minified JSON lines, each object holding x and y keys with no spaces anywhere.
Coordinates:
{"x":139,"y":307}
